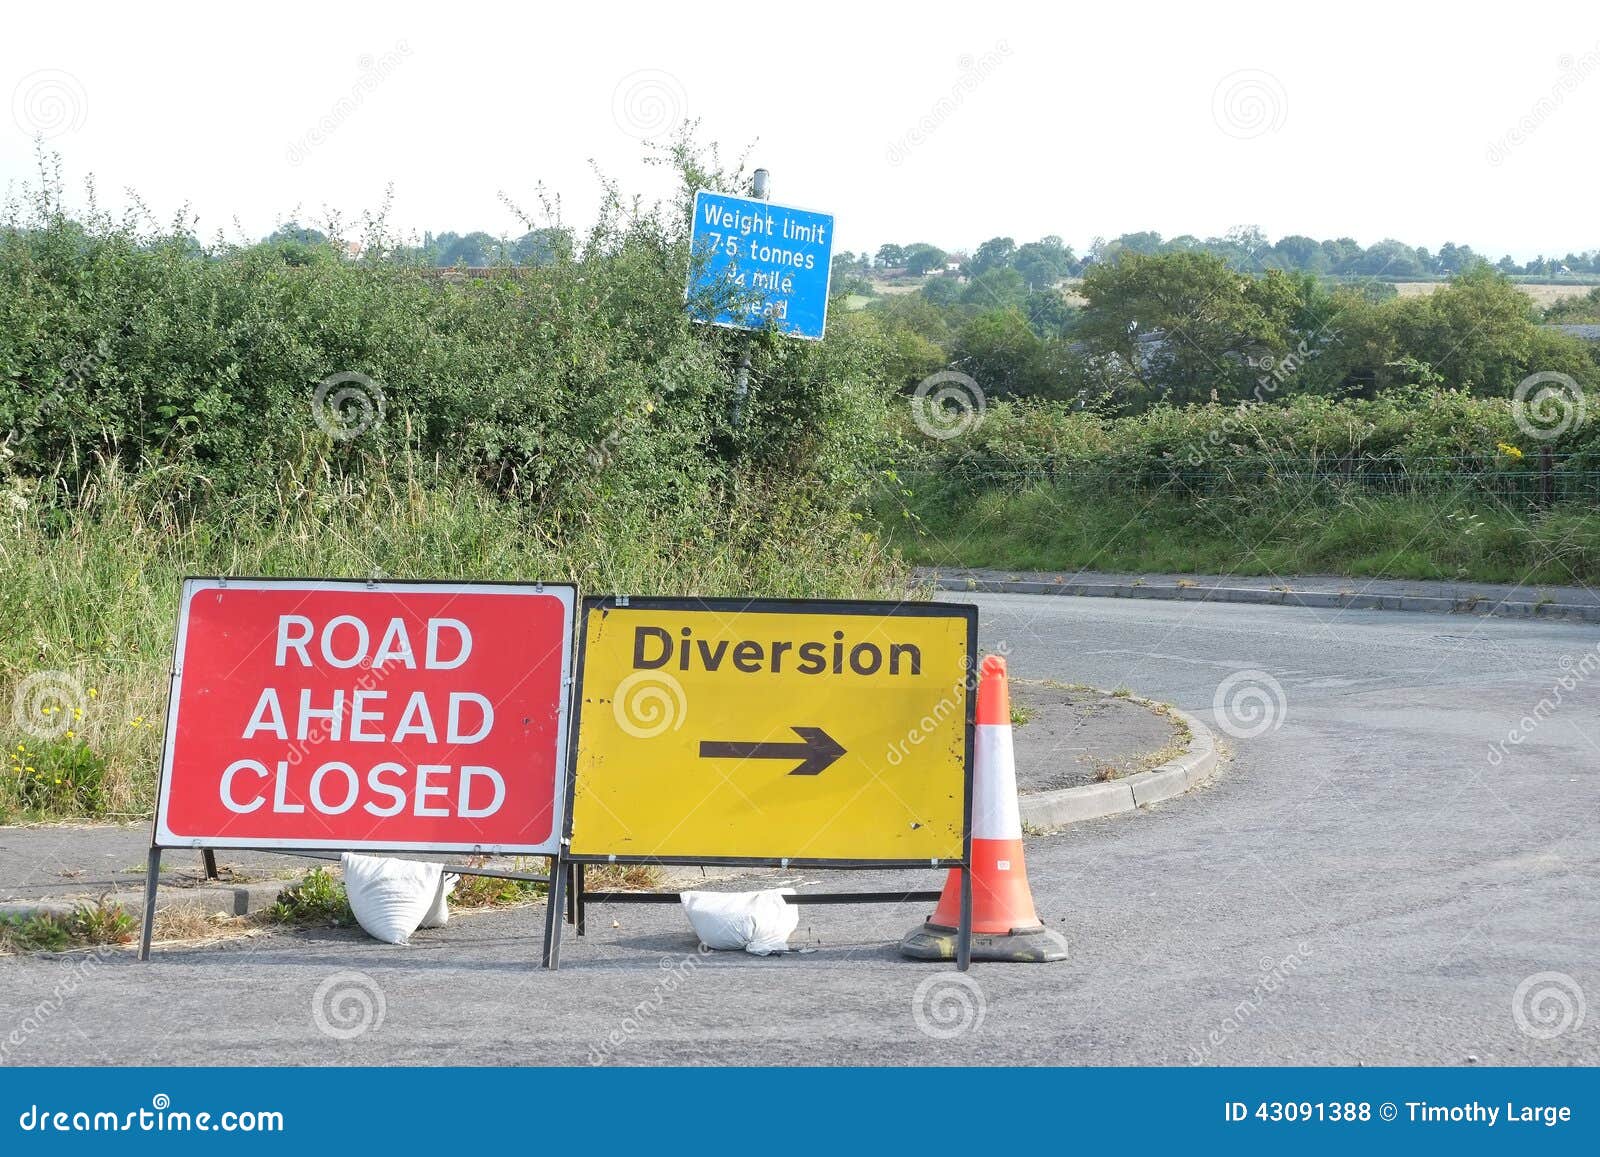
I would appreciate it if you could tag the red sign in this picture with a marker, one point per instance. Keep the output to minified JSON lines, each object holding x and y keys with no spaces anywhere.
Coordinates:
{"x":401,"y":716}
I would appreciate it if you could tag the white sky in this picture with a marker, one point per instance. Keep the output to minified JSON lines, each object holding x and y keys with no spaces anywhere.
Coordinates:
{"x":1373,"y":120}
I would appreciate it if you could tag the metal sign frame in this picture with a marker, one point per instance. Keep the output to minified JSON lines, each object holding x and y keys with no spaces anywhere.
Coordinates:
{"x":566,"y":872}
{"x":563,"y":747}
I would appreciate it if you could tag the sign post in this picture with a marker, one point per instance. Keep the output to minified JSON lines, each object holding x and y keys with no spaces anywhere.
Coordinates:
{"x":382,"y":715}
{"x":758,"y":265}
{"x":755,"y":265}
{"x":763,"y":732}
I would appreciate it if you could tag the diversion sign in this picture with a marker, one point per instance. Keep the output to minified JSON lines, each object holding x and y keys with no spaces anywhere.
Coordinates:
{"x":771,"y":731}
{"x":383,"y":715}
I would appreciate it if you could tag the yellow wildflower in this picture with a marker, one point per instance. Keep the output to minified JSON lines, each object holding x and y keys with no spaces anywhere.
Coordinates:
{"x":1509,"y":451}
{"x":93,"y":692}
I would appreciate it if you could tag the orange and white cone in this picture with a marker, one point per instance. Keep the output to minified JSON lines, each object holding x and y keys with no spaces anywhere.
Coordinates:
{"x":1005,"y":925}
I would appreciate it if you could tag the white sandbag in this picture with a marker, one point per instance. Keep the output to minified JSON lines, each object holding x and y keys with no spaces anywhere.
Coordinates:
{"x":758,"y":922}
{"x":439,"y":915}
{"x":390,"y":897}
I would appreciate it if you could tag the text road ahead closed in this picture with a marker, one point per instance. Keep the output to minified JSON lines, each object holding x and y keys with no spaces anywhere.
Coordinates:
{"x":342,"y":715}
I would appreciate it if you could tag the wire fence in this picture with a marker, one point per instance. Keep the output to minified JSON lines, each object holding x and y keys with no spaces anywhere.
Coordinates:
{"x":1537,"y":480}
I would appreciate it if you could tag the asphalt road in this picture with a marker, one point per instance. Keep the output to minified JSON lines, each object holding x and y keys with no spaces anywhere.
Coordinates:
{"x":1362,"y":883}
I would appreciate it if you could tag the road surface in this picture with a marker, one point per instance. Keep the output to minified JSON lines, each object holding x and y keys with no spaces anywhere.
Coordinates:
{"x":1399,"y":864}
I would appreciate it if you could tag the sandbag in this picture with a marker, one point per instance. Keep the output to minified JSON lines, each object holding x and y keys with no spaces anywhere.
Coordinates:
{"x":758,"y":922}
{"x":390,"y":898}
{"x":439,"y":915}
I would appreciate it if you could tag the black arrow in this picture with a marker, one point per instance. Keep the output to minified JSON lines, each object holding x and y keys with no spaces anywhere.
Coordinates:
{"x":818,"y":752}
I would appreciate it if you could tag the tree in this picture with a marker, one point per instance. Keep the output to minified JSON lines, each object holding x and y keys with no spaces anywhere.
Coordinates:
{"x":1002,"y":354}
{"x":943,"y":292}
{"x":1146,"y":244}
{"x":922,"y":258}
{"x":1182,"y":325}
{"x":1044,"y":262}
{"x":540,"y":246}
{"x":995,"y":253}
{"x":1297,"y":252}
{"x":1389,"y":258}
{"x":891,"y":256}
{"x":475,"y":249}
{"x":995,"y":287}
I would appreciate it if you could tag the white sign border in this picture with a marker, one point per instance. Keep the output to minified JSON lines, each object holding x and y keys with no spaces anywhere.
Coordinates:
{"x":567,"y":593}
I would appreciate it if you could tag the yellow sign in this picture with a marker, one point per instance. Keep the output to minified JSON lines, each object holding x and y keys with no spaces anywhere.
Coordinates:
{"x":738,"y":729}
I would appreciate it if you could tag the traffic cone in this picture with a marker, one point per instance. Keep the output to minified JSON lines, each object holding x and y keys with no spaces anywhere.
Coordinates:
{"x":1004,"y":923}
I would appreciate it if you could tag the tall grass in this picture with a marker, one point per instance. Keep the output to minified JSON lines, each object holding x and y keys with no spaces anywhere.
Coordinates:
{"x":88,"y":596}
{"x":1277,"y":530}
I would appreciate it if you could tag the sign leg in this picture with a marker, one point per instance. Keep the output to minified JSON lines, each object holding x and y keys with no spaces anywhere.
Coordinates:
{"x":964,"y":933}
{"x":152,"y":876}
{"x":578,"y":891}
{"x":209,"y":859}
{"x":552,"y":916}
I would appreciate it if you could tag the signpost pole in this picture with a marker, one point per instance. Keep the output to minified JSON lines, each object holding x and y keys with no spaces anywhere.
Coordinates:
{"x":152,"y":876}
{"x":554,"y":902}
{"x":761,"y":189}
{"x":964,"y":932}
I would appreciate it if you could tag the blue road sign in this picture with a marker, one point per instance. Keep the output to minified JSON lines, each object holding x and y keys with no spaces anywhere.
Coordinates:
{"x":757,"y":265}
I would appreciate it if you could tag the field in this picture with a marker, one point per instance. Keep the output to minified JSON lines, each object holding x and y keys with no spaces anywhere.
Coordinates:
{"x":1543,"y":295}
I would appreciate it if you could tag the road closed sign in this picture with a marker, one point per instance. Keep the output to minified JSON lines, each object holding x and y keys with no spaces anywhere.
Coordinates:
{"x":768,"y":731}
{"x":384,"y":715}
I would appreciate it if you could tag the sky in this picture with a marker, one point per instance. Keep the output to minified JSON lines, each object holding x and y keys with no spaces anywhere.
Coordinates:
{"x":930,"y":122}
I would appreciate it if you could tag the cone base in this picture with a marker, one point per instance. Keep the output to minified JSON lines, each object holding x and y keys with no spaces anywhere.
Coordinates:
{"x":1020,"y":945}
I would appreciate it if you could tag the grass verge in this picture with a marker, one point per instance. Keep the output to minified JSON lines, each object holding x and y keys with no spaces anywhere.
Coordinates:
{"x":1271,"y":532}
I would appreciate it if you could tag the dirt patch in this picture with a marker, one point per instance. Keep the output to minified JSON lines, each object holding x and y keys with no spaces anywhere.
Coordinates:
{"x":1079,"y":735}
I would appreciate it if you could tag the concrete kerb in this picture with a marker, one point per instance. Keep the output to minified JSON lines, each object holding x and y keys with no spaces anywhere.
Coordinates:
{"x":1055,"y":809}
{"x":209,"y":900}
{"x":1508,"y":608}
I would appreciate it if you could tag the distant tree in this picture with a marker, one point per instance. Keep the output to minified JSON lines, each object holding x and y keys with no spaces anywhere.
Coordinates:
{"x":1146,"y":244}
{"x":922,"y":258}
{"x":995,"y":253}
{"x":942,"y":291}
{"x":1048,"y":312}
{"x":999,"y":349}
{"x":1343,"y":254}
{"x":1453,"y":258}
{"x":1389,"y":258}
{"x":891,"y":256}
{"x":1044,"y":262}
{"x":540,"y":246}
{"x":296,"y":245}
{"x":1297,"y":252}
{"x":298,"y":234}
{"x":1180,"y":325}
{"x":475,"y":249}
{"x":1003,"y":287}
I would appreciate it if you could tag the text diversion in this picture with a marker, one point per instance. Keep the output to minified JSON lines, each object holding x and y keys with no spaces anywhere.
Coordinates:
{"x":367,"y":715}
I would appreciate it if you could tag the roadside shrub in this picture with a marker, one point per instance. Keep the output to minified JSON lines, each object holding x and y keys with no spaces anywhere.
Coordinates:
{"x":318,"y":900}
